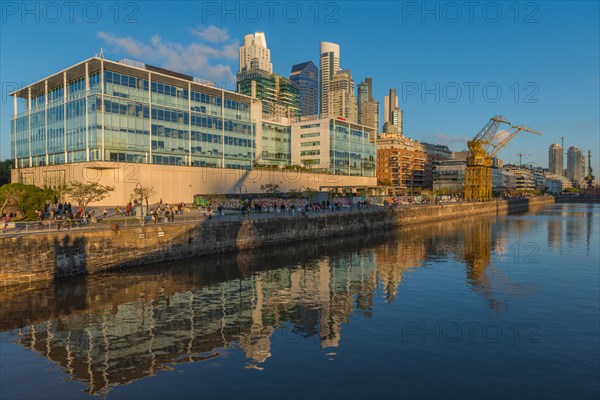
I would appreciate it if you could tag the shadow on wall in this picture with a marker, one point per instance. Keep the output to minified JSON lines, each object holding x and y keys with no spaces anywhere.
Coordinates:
{"x":516,"y":206}
{"x":70,"y":256}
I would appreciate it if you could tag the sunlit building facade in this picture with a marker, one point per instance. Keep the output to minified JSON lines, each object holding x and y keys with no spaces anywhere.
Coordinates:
{"x":335,"y":146}
{"x":276,"y":142}
{"x":279,"y":96}
{"x":329,"y":66}
{"x":128,"y":111}
{"x":555,"y":159}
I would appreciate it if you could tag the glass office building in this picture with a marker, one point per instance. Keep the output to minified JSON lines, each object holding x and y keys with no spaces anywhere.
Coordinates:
{"x":128,"y":111}
{"x":276,"y":143}
{"x":334,"y":146}
{"x":306,"y":77}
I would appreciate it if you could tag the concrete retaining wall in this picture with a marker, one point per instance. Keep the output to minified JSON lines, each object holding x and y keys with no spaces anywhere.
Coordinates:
{"x":38,"y":257}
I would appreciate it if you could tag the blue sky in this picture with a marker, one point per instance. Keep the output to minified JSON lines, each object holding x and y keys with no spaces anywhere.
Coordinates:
{"x":454,"y":64}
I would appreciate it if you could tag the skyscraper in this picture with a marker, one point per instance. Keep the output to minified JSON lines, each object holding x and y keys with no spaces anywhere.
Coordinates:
{"x":306,"y":78}
{"x":392,"y":114}
{"x":368,"y":107}
{"x":555,"y":159}
{"x":342,"y":102}
{"x":254,"y":54}
{"x":279,"y":96}
{"x":330,"y":65}
{"x":575,"y":166}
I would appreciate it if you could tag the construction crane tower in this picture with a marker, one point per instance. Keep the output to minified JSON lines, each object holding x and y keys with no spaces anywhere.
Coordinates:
{"x":482,"y":149}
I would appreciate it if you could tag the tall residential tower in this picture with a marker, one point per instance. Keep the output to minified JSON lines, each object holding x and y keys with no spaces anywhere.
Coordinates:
{"x":368,"y":107}
{"x":255,"y":78}
{"x":330,"y":65}
{"x":341,"y":100}
{"x":575,"y":166}
{"x":392,"y":114}
{"x":555,"y":159}
{"x":254,"y":54}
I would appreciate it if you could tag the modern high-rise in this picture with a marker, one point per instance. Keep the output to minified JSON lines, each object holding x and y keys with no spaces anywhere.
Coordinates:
{"x":392,"y":114}
{"x":255,"y":54}
{"x":555,"y":159}
{"x":576,"y":166}
{"x":342,"y":103}
{"x":279,"y":96}
{"x":330,"y":65}
{"x":306,"y":78}
{"x":368,"y":107}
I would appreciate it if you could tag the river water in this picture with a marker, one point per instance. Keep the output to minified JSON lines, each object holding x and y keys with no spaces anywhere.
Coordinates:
{"x":486,"y":307}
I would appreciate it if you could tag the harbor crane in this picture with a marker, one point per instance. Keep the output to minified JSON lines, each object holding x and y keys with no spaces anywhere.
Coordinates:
{"x":482,"y":149}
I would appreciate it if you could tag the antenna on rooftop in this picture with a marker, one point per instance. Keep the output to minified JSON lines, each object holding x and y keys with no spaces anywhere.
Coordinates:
{"x":100,"y":54}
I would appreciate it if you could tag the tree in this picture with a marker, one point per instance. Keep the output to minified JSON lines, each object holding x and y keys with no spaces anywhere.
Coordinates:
{"x":25,"y":198}
{"x":144,"y":193}
{"x":10,"y":195}
{"x":270,"y":188}
{"x":86,"y":193}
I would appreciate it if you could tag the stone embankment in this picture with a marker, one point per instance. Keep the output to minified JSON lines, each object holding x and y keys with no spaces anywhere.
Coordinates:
{"x":38,"y":257}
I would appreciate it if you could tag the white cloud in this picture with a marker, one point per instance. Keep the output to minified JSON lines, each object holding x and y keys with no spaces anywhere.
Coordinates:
{"x":500,"y":136}
{"x":196,"y":59}
{"x":442,"y":138}
{"x":211,"y":34}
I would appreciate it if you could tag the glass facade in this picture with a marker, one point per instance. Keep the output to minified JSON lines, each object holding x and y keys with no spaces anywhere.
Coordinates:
{"x":334,"y":146}
{"x":136,"y":117}
{"x":276,"y":144}
{"x":351,"y":151}
{"x":306,"y":78}
{"x":279,"y":96}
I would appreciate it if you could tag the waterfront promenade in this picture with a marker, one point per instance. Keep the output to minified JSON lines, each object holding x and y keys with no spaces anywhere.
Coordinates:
{"x":29,"y":257}
{"x":190,"y":215}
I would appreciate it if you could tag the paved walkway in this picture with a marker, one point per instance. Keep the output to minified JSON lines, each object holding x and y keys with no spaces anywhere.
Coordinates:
{"x":192,"y":215}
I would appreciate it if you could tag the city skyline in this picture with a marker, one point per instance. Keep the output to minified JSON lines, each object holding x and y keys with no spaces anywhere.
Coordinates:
{"x":430,"y":117}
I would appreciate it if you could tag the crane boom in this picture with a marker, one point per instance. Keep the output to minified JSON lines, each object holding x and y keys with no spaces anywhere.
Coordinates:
{"x":515,"y":129}
{"x":484,"y":146}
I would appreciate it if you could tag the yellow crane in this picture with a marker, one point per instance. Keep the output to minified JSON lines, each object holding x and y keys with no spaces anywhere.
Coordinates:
{"x":482,"y":149}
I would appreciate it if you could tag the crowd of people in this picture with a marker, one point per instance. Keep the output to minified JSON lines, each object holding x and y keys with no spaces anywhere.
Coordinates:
{"x":164,"y":212}
{"x":66,"y":215}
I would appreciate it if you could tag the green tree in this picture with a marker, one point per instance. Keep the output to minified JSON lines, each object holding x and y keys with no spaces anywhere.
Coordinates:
{"x":144,"y":193}
{"x":86,"y":193}
{"x":10,"y":194}
{"x":25,"y":198}
{"x":34,"y":198}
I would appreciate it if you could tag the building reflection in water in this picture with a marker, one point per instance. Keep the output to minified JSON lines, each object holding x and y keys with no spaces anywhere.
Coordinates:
{"x":112,"y":329}
{"x":565,"y":220}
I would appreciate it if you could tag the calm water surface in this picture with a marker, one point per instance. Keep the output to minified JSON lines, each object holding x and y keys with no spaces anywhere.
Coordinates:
{"x":498,"y":307}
